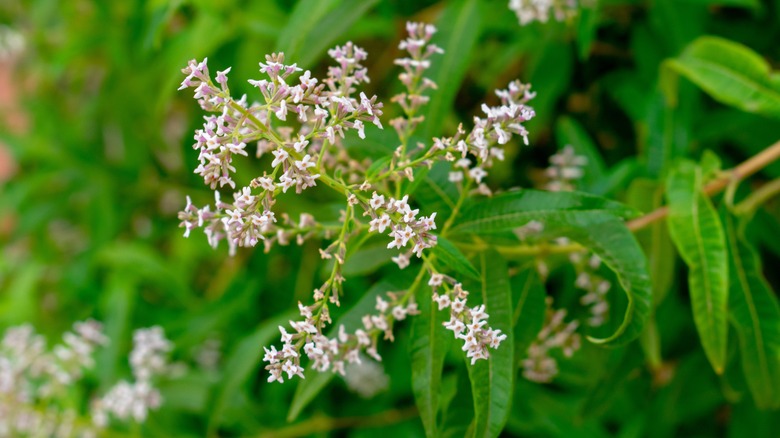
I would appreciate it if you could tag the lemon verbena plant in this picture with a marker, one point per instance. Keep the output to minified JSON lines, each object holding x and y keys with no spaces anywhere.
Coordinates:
{"x":300,"y":122}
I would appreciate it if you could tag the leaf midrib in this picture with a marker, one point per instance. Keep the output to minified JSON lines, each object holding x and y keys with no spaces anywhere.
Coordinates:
{"x":741,"y":274}
{"x":705,"y":266}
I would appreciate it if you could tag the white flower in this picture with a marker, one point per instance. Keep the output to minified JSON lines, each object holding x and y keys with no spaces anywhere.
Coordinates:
{"x":281,"y":156}
{"x":436,"y":279}
{"x":377,"y":201}
{"x":300,"y":144}
{"x":305,"y":163}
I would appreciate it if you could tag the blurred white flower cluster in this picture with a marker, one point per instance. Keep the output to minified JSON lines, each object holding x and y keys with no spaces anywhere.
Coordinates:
{"x":595,"y":286}
{"x":556,"y":334}
{"x":11,"y":43}
{"x":528,"y":11}
{"x":36,"y":383}
{"x":133,"y":400}
{"x":566,"y":169}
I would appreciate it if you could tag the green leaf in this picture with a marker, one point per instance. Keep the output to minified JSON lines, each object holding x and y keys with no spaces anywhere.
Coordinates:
{"x":510,"y":210}
{"x":755,"y":314}
{"x":569,"y":132}
{"x":429,"y":344}
{"x":587,"y":25}
{"x":529,"y":296}
{"x":492,"y":380}
{"x":459,"y":28}
{"x":698,"y":234}
{"x":306,"y":15}
{"x":118,"y":303}
{"x":729,"y":72}
{"x":330,"y":29}
{"x":436,"y":193}
{"x":598,"y":230}
{"x":452,"y":259}
{"x":241,"y":362}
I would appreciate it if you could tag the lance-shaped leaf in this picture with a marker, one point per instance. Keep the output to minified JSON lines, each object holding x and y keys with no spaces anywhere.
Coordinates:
{"x":459,"y":28}
{"x":755,"y":314}
{"x":492,"y":380}
{"x":698,"y":234}
{"x":452,"y":259}
{"x":729,"y":72}
{"x":429,"y":344}
{"x":588,"y":220}
{"x":528,"y":294}
{"x":514,"y":209}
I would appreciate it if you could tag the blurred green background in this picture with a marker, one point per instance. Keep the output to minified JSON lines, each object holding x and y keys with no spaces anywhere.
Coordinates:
{"x":97,"y":161}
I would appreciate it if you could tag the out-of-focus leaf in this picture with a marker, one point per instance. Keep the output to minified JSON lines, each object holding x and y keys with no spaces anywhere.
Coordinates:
{"x":698,"y":234}
{"x":570,"y":132}
{"x":647,"y":195}
{"x":141,"y":261}
{"x":459,"y":414}
{"x":750,"y":4}
{"x":549,"y":72}
{"x":622,"y":367}
{"x":650,"y":341}
{"x":528,"y":295}
{"x":667,"y":129}
{"x":587,"y":25}
{"x":492,"y":380}
{"x":429,"y":344}
{"x":20,"y":297}
{"x":459,"y":28}
{"x":755,"y":313}
{"x":118,"y":304}
{"x":729,"y":72}
{"x":367,"y":259}
{"x":617,"y":178}
{"x":241,"y":361}
{"x":305,"y":16}
{"x":436,"y":193}
{"x":330,"y":28}
{"x":451,"y":257}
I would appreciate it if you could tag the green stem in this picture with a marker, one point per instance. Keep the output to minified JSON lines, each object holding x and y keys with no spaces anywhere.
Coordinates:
{"x":455,"y":210}
{"x":758,"y":198}
{"x":541,"y":249}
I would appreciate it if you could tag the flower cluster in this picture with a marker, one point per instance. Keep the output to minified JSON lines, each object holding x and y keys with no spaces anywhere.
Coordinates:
{"x":403,"y":226}
{"x":467,"y":323}
{"x":595,"y":286}
{"x":367,"y":378}
{"x":474,"y":152}
{"x":540,"y":366}
{"x":35,"y":380}
{"x":528,"y":11}
{"x":333,"y":353}
{"x":133,"y":400}
{"x":308,"y":151}
{"x":419,"y":49}
{"x":565,"y":170}
{"x":31,"y":377}
{"x":323,"y":112}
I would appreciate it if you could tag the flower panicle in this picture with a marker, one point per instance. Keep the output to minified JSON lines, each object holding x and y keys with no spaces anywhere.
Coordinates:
{"x":468,"y":324}
{"x":334,"y":353}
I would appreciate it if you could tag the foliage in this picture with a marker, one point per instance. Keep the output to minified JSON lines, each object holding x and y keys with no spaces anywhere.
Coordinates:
{"x":678,"y":314}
